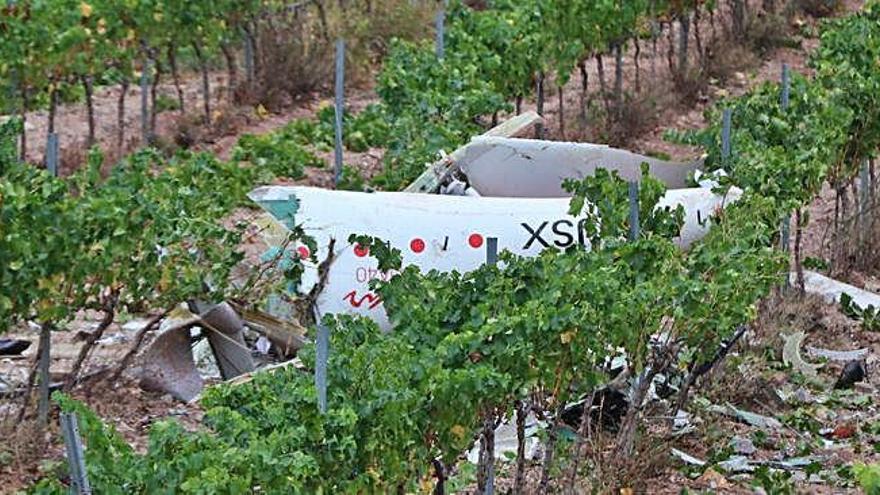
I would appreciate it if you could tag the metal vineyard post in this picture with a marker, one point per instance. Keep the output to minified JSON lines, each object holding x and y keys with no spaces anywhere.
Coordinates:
{"x":634,"y":228}
{"x":75,"y":458}
{"x":340,"y":105}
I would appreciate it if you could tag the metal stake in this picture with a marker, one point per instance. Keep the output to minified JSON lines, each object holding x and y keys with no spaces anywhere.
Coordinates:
{"x":492,"y":250}
{"x":634,"y":228}
{"x":340,"y":104}
{"x":79,"y":479}
{"x":145,"y":112}
{"x":725,"y":135}
{"x":322,"y":357}
{"x":52,"y":154}
{"x":440,"y":24}
{"x":786,"y":87}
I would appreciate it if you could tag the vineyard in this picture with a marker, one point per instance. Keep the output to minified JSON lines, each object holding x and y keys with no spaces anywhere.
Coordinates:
{"x":616,"y":355}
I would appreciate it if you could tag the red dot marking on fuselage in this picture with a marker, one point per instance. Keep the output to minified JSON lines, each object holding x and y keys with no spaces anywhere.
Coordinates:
{"x":417,"y":245}
{"x":304,"y":252}
{"x":475,"y":240}
{"x":361,"y":251}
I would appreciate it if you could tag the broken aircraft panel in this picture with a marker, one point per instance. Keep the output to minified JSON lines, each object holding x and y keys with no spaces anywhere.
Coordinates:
{"x":439,"y":232}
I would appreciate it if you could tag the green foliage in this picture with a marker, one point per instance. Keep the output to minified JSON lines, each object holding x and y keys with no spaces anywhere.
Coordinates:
{"x":365,"y":130}
{"x":285,"y":152}
{"x":774,"y":481}
{"x":493,"y":56}
{"x":868,"y":477}
{"x":276,"y":154}
{"x":147,"y":234}
{"x":50,"y":47}
{"x":431,"y":106}
{"x":351,"y":179}
{"x":870,"y":317}
{"x":814,"y":263}
{"x":609,"y":216}
{"x":466,"y":347}
{"x":783,"y":154}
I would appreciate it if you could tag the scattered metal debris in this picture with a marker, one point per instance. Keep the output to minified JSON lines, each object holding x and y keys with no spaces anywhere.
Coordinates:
{"x":794,"y":463}
{"x":747,"y":417}
{"x":287,"y":336}
{"x":167,"y":365}
{"x":227,"y":340}
{"x":852,"y":373}
{"x":608,"y":408}
{"x":742,"y":445}
{"x":681,"y":424}
{"x":206,"y":363}
{"x":791,"y":355}
{"x":263,"y":345}
{"x":506,"y":441}
{"x":13,"y":347}
{"x":737,"y":464}
{"x":687,"y":458}
{"x":832,"y":355}
{"x":831,"y":290}
{"x":247,"y":377}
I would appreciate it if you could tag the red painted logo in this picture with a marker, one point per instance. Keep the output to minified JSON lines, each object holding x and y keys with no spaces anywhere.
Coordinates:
{"x":360,"y":251}
{"x":372,"y":300}
{"x":303,"y":252}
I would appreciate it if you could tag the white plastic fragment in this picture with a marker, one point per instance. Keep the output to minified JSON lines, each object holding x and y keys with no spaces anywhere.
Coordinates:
{"x":687,"y":458}
{"x":709,"y":179}
{"x":793,"y":463}
{"x":830,"y":290}
{"x":205,"y":361}
{"x":842,"y":356}
{"x":530,"y":168}
{"x":791,"y":355}
{"x":737,"y":464}
{"x":747,"y":417}
{"x":682,"y":420}
{"x":506,"y":440}
{"x":263,"y":345}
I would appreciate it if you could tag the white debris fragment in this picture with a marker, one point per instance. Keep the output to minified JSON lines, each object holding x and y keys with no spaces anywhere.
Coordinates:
{"x":747,"y":417}
{"x":830,"y":290}
{"x":206,"y":363}
{"x":263,"y":345}
{"x":791,"y":355}
{"x":506,"y":440}
{"x":742,"y":445}
{"x":736,"y":464}
{"x":842,"y":356}
{"x":687,"y":458}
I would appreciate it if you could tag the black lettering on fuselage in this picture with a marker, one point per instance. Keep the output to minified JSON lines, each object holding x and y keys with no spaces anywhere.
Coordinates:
{"x":565,"y":233}
{"x":535,"y":235}
{"x":567,"y":237}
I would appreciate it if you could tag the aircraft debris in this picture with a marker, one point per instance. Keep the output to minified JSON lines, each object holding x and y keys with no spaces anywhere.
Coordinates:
{"x":852,"y":373}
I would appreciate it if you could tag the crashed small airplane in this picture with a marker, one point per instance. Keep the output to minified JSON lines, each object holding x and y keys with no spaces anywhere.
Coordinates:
{"x":494,"y":187}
